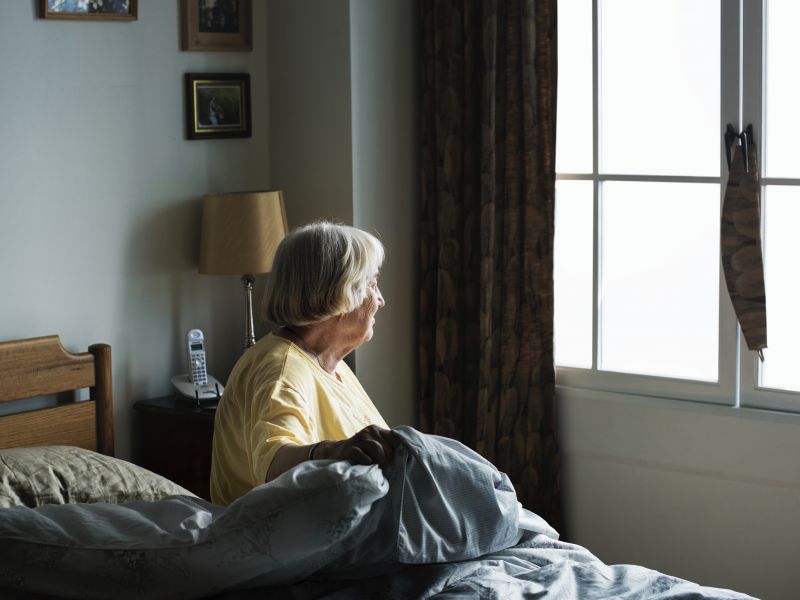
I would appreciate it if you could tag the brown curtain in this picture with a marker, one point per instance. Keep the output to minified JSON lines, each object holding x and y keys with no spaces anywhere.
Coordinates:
{"x":488,"y":177}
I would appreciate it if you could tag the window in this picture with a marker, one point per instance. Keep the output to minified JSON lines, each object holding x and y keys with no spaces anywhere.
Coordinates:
{"x":645,"y":92}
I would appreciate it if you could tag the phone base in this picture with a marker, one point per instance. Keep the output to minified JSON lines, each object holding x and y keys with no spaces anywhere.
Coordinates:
{"x":190,"y":392}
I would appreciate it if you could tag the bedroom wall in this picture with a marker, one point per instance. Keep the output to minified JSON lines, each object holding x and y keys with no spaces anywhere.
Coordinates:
{"x":100,"y":210}
{"x":99,"y":192}
{"x":703,"y":492}
{"x":343,"y":121}
{"x":310,"y":108}
{"x":385,"y":84}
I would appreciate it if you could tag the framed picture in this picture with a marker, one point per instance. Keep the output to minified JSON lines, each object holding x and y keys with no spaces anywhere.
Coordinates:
{"x":217,"y":25}
{"x":108,"y":10}
{"x":217,"y":105}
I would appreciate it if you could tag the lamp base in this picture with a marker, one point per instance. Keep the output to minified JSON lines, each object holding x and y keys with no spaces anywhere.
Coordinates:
{"x":249,"y":330}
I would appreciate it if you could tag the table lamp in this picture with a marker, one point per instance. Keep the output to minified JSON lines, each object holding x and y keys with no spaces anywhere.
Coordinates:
{"x":239,"y":236}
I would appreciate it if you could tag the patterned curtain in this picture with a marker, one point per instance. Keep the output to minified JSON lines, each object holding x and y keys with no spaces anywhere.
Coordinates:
{"x":740,"y":240}
{"x":488,"y":177}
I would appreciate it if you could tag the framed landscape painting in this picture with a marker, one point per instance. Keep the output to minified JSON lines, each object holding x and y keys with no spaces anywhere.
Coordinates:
{"x":108,"y":10}
{"x":217,"y":25}
{"x":217,"y":105}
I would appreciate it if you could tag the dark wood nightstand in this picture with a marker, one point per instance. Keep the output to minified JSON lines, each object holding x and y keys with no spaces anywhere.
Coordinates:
{"x":176,"y":440}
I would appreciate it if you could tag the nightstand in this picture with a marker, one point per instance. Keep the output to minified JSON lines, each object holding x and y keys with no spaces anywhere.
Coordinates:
{"x":176,"y":440}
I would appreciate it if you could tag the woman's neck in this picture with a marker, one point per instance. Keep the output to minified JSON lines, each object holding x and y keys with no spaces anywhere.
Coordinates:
{"x":320,"y":342}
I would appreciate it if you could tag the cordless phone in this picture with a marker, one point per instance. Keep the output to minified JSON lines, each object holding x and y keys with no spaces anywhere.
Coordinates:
{"x":195,"y":344}
{"x":197,"y":385}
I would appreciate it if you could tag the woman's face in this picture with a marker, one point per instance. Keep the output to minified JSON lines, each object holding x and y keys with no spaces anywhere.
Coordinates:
{"x":359,"y":322}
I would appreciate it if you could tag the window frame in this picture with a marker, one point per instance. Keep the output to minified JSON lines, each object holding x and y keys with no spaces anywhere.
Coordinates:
{"x":752,"y":394}
{"x":741,"y":59}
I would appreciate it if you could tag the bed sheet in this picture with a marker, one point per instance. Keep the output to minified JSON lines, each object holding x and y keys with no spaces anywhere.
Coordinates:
{"x":537,"y":567}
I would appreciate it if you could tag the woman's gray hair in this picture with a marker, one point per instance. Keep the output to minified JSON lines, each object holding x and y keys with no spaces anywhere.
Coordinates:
{"x":320,"y":270}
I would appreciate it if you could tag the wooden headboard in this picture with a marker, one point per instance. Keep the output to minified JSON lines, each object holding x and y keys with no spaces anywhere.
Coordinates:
{"x":41,"y":366}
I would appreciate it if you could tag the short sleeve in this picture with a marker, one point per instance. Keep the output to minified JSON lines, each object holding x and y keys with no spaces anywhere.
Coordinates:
{"x":282,"y":418}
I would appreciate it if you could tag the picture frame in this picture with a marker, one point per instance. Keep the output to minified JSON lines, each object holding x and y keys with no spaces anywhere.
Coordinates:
{"x":217,"y":105}
{"x":92,"y":10}
{"x":217,"y":25}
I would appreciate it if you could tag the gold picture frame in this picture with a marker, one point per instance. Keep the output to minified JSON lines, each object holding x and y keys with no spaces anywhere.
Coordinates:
{"x":97,"y":10}
{"x":217,"y":105}
{"x":217,"y":26}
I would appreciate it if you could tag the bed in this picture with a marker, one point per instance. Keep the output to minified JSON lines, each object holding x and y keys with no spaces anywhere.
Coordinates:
{"x":440,"y":522}
{"x":41,"y":367}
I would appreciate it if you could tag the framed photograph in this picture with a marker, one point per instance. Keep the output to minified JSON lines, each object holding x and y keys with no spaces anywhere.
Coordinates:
{"x":104,"y":10}
{"x":217,"y":105}
{"x":217,"y":25}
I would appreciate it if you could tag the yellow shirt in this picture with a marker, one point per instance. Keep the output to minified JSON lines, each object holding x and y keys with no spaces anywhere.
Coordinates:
{"x":277,"y":394}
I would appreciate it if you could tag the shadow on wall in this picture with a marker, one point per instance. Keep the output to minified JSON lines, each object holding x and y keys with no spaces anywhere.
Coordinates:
{"x":165,"y":296}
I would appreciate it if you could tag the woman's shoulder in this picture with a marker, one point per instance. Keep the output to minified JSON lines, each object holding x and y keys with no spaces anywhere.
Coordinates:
{"x":276,"y":359}
{"x":269,"y":354}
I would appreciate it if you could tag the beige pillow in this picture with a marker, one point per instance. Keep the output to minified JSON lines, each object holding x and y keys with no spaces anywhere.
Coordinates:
{"x":67,"y":475}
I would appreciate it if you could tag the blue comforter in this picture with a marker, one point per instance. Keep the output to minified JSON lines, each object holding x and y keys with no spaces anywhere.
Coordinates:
{"x":439,"y":522}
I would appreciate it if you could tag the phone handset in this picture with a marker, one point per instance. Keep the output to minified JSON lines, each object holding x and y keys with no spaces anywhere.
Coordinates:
{"x":196,"y":346}
{"x":197,"y":385}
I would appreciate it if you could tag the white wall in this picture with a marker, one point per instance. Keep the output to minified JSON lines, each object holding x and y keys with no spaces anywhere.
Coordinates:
{"x":704,"y":492}
{"x":99,"y":192}
{"x":100,"y":206}
{"x":309,"y":109}
{"x":385,"y":76}
{"x":343,"y":122}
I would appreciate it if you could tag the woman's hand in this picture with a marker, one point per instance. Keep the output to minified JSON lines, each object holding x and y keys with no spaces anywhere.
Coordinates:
{"x":371,"y":445}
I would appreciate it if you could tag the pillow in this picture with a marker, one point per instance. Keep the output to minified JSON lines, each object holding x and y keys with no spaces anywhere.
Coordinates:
{"x":67,"y":474}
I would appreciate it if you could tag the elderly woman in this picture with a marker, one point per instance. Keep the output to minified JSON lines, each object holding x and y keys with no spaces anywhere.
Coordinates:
{"x":291,"y":398}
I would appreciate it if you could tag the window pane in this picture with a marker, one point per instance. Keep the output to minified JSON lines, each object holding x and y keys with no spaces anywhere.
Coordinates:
{"x":574,"y":126}
{"x":782,"y":88}
{"x":572,"y":275}
{"x":781,"y":251}
{"x":660,"y":87}
{"x":660,"y":279}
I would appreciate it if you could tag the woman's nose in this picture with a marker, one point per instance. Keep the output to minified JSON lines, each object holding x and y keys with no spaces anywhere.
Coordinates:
{"x":381,"y":301}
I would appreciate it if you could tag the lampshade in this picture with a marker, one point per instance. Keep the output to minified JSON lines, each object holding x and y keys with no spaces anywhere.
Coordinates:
{"x":240,"y":232}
